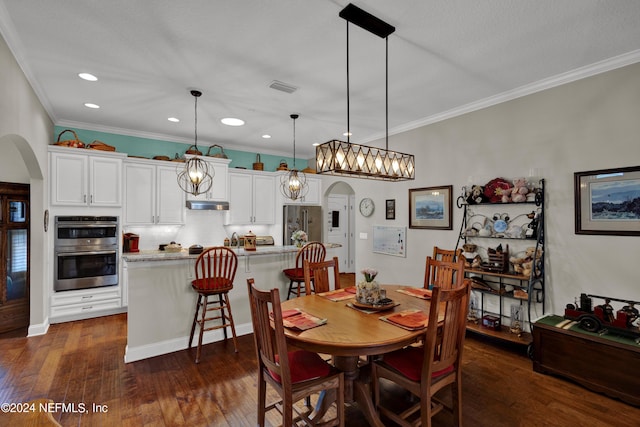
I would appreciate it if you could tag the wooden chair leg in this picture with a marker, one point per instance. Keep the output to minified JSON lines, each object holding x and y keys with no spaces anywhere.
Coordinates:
{"x":222,"y":313}
{"x":290,"y":289}
{"x":205,"y":302}
{"x":195,"y":320}
{"x":231,"y":323}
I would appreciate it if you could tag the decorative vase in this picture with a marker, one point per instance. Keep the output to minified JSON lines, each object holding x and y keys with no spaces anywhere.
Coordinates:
{"x":368,"y":292}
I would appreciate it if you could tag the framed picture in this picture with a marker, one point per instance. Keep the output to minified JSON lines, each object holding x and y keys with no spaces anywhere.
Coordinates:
{"x":607,"y":201}
{"x":390,"y":209}
{"x":431,"y":208}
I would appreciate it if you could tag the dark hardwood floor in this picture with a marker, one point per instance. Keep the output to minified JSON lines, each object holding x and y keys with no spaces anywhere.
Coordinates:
{"x":82,"y":363}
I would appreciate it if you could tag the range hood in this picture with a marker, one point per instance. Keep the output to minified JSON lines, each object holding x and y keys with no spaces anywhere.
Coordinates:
{"x":207,"y":205}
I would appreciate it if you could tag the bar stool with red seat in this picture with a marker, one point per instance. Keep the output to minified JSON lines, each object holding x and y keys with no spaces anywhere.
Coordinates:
{"x":215,"y":271}
{"x":313,"y":252}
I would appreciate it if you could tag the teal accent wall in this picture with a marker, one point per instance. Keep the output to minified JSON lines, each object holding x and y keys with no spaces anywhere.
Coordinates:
{"x":146,"y":147}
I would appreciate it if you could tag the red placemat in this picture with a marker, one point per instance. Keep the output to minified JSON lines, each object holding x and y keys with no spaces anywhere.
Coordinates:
{"x":298,"y":319}
{"x":340,"y":294}
{"x":416,"y":292}
{"x":408,"y":319}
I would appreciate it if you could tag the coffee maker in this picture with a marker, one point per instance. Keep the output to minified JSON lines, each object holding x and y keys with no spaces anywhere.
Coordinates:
{"x":130,"y":242}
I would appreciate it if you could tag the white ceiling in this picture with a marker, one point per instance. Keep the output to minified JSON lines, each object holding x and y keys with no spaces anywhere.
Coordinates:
{"x":445,"y":58}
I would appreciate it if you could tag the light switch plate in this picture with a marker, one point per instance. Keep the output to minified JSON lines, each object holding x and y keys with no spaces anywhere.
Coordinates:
{"x":364,"y":236}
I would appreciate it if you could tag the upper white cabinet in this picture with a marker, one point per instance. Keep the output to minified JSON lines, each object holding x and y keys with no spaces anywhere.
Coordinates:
{"x":251,"y":198}
{"x":313,"y":196}
{"x":152,"y":194}
{"x":219,"y":191}
{"x":85,"y":177}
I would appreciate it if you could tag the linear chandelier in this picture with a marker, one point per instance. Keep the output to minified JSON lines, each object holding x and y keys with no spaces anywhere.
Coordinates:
{"x":361,"y":161}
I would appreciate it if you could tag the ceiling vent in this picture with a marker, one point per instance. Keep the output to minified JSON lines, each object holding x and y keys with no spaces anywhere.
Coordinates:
{"x":283,"y":87}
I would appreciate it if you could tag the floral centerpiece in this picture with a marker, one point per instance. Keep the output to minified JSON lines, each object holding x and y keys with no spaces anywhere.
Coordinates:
{"x":299,"y":238}
{"x":368,"y":290}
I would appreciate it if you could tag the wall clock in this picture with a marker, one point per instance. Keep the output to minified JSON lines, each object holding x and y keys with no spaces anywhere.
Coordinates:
{"x":366,"y":207}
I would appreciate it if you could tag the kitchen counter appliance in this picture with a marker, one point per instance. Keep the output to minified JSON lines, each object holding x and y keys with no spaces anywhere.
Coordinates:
{"x":86,"y":252}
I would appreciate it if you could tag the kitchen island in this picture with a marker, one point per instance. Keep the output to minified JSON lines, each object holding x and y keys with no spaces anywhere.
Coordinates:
{"x":161,"y":302}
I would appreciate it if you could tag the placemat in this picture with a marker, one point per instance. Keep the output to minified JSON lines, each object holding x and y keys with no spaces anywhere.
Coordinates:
{"x":301,"y":320}
{"x":340,"y":294}
{"x":411,"y":320}
{"x":416,"y":292}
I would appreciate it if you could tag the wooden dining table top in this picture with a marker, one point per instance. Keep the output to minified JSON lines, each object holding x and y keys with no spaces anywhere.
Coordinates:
{"x":350,"y":332}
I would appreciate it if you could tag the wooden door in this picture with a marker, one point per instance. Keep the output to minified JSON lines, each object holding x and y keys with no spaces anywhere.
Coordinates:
{"x":14,"y":256}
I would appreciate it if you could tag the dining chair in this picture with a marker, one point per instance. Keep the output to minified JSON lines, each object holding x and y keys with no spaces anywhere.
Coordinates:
{"x":319,"y":273}
{"x":443,"y":274}
{"x":215,"y":271}
{"x":294,"y":375}
{"x":447,"y":255}
{"x":312,"y":251}
{"x":426,"y":370}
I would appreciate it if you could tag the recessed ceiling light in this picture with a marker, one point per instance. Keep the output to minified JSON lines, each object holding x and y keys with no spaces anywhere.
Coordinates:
{"x":90,"y":105}
{"x":266,"y":136}
{"x":173,"y":119}
{"x":347,"y":134}
{"x":88,"y":77}
{"x":230,"y":121}
{"x":315,"y":144}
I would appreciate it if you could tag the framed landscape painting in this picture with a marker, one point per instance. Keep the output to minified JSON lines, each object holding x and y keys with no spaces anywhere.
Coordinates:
{"x":607,"y":201}
{"x":431,"y":208}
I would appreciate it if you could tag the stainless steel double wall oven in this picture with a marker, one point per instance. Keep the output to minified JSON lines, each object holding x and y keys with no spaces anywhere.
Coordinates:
{"x":86,"y":252}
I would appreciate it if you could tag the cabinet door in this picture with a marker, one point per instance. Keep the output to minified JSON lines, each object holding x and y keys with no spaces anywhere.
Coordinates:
{"x":69,"y":179}
{"x":105,"y":181}
{"x":264,"y":200}
{"x":240,"y":199}
{"x":219,"y":191}
{"x":140,"y":193}
{"x":171,"y":199}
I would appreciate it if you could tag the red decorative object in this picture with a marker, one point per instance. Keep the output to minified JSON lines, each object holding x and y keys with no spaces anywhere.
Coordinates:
{"x":494,"y":188}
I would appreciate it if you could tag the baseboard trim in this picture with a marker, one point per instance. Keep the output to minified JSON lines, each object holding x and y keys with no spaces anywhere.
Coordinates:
{"x":132,"y":354}
{"x":39,"y":329}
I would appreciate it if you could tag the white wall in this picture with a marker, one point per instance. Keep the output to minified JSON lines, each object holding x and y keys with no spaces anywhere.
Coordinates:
{"x":25,"y":131}
{"x":585,"y":125}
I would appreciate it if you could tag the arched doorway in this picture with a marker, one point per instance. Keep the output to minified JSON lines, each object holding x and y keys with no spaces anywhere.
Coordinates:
{"x":341,"y":223}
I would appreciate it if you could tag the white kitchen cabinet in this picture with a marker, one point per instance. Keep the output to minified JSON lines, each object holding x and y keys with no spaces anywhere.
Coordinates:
{"x":219,"y":191}
{"x":251,"y":198}
{"x":84,"y":178}
{"x":152,"y":194}
{"x":85,"y":303}
{"x":313,"y":195}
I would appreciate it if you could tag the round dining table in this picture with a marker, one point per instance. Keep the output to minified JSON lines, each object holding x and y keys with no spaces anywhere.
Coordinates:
{"x":350,"y":333}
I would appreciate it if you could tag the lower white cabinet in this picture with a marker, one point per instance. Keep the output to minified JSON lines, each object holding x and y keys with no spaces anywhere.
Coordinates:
{"x":85,"y":303}
{"x":152,"y":194}
{"x":251,"y":198}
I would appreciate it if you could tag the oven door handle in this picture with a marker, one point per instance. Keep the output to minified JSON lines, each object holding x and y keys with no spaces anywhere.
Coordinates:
{"x":85,"y":225}
{"x":86,"y":253}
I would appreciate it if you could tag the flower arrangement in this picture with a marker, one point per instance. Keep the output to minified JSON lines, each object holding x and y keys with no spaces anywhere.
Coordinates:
{"x":299,"y":237}
{"x":368,"y":290}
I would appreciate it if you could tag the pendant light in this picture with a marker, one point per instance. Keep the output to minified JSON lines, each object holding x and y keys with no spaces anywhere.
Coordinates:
{"x":293,"y":185}
{"x":361,"y":161}
{"x":195,"y":177}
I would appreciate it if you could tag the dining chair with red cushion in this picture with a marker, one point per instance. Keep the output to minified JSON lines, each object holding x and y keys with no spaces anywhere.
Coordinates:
{"x":319,"y":273}
{"x":294,"y":375}
{"x":215,"y":271}
{"x":426,"y":370}
{"x":312,"y":251}
{"x":445,"y":274}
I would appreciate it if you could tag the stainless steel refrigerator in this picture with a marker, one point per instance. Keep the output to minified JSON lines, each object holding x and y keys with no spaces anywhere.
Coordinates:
{"x":307,"y":218}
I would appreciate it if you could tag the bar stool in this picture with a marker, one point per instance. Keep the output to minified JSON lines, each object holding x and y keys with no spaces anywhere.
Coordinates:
{"x":313,"y":252}
{"x":215,"y":271}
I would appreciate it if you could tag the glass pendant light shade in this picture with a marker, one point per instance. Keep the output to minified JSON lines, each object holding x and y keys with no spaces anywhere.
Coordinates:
{"x":195,"y":177}
{"x":293,"y":184}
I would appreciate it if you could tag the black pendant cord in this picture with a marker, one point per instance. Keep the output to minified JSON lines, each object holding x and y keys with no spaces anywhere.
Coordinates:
{"x":348,"y":91}
{"x":294,"y":141}
{"x":196,"y":94}
{"x":386,"y":91}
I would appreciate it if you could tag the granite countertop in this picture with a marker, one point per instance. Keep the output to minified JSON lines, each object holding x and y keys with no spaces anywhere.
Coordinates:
{"x":156,"y":255}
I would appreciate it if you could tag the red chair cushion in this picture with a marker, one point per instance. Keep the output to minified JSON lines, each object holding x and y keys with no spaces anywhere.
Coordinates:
{"x":304,"y":366}
{"x":295,"y":274}
{"x":211,"y":284}
{"x":408,"y":361}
